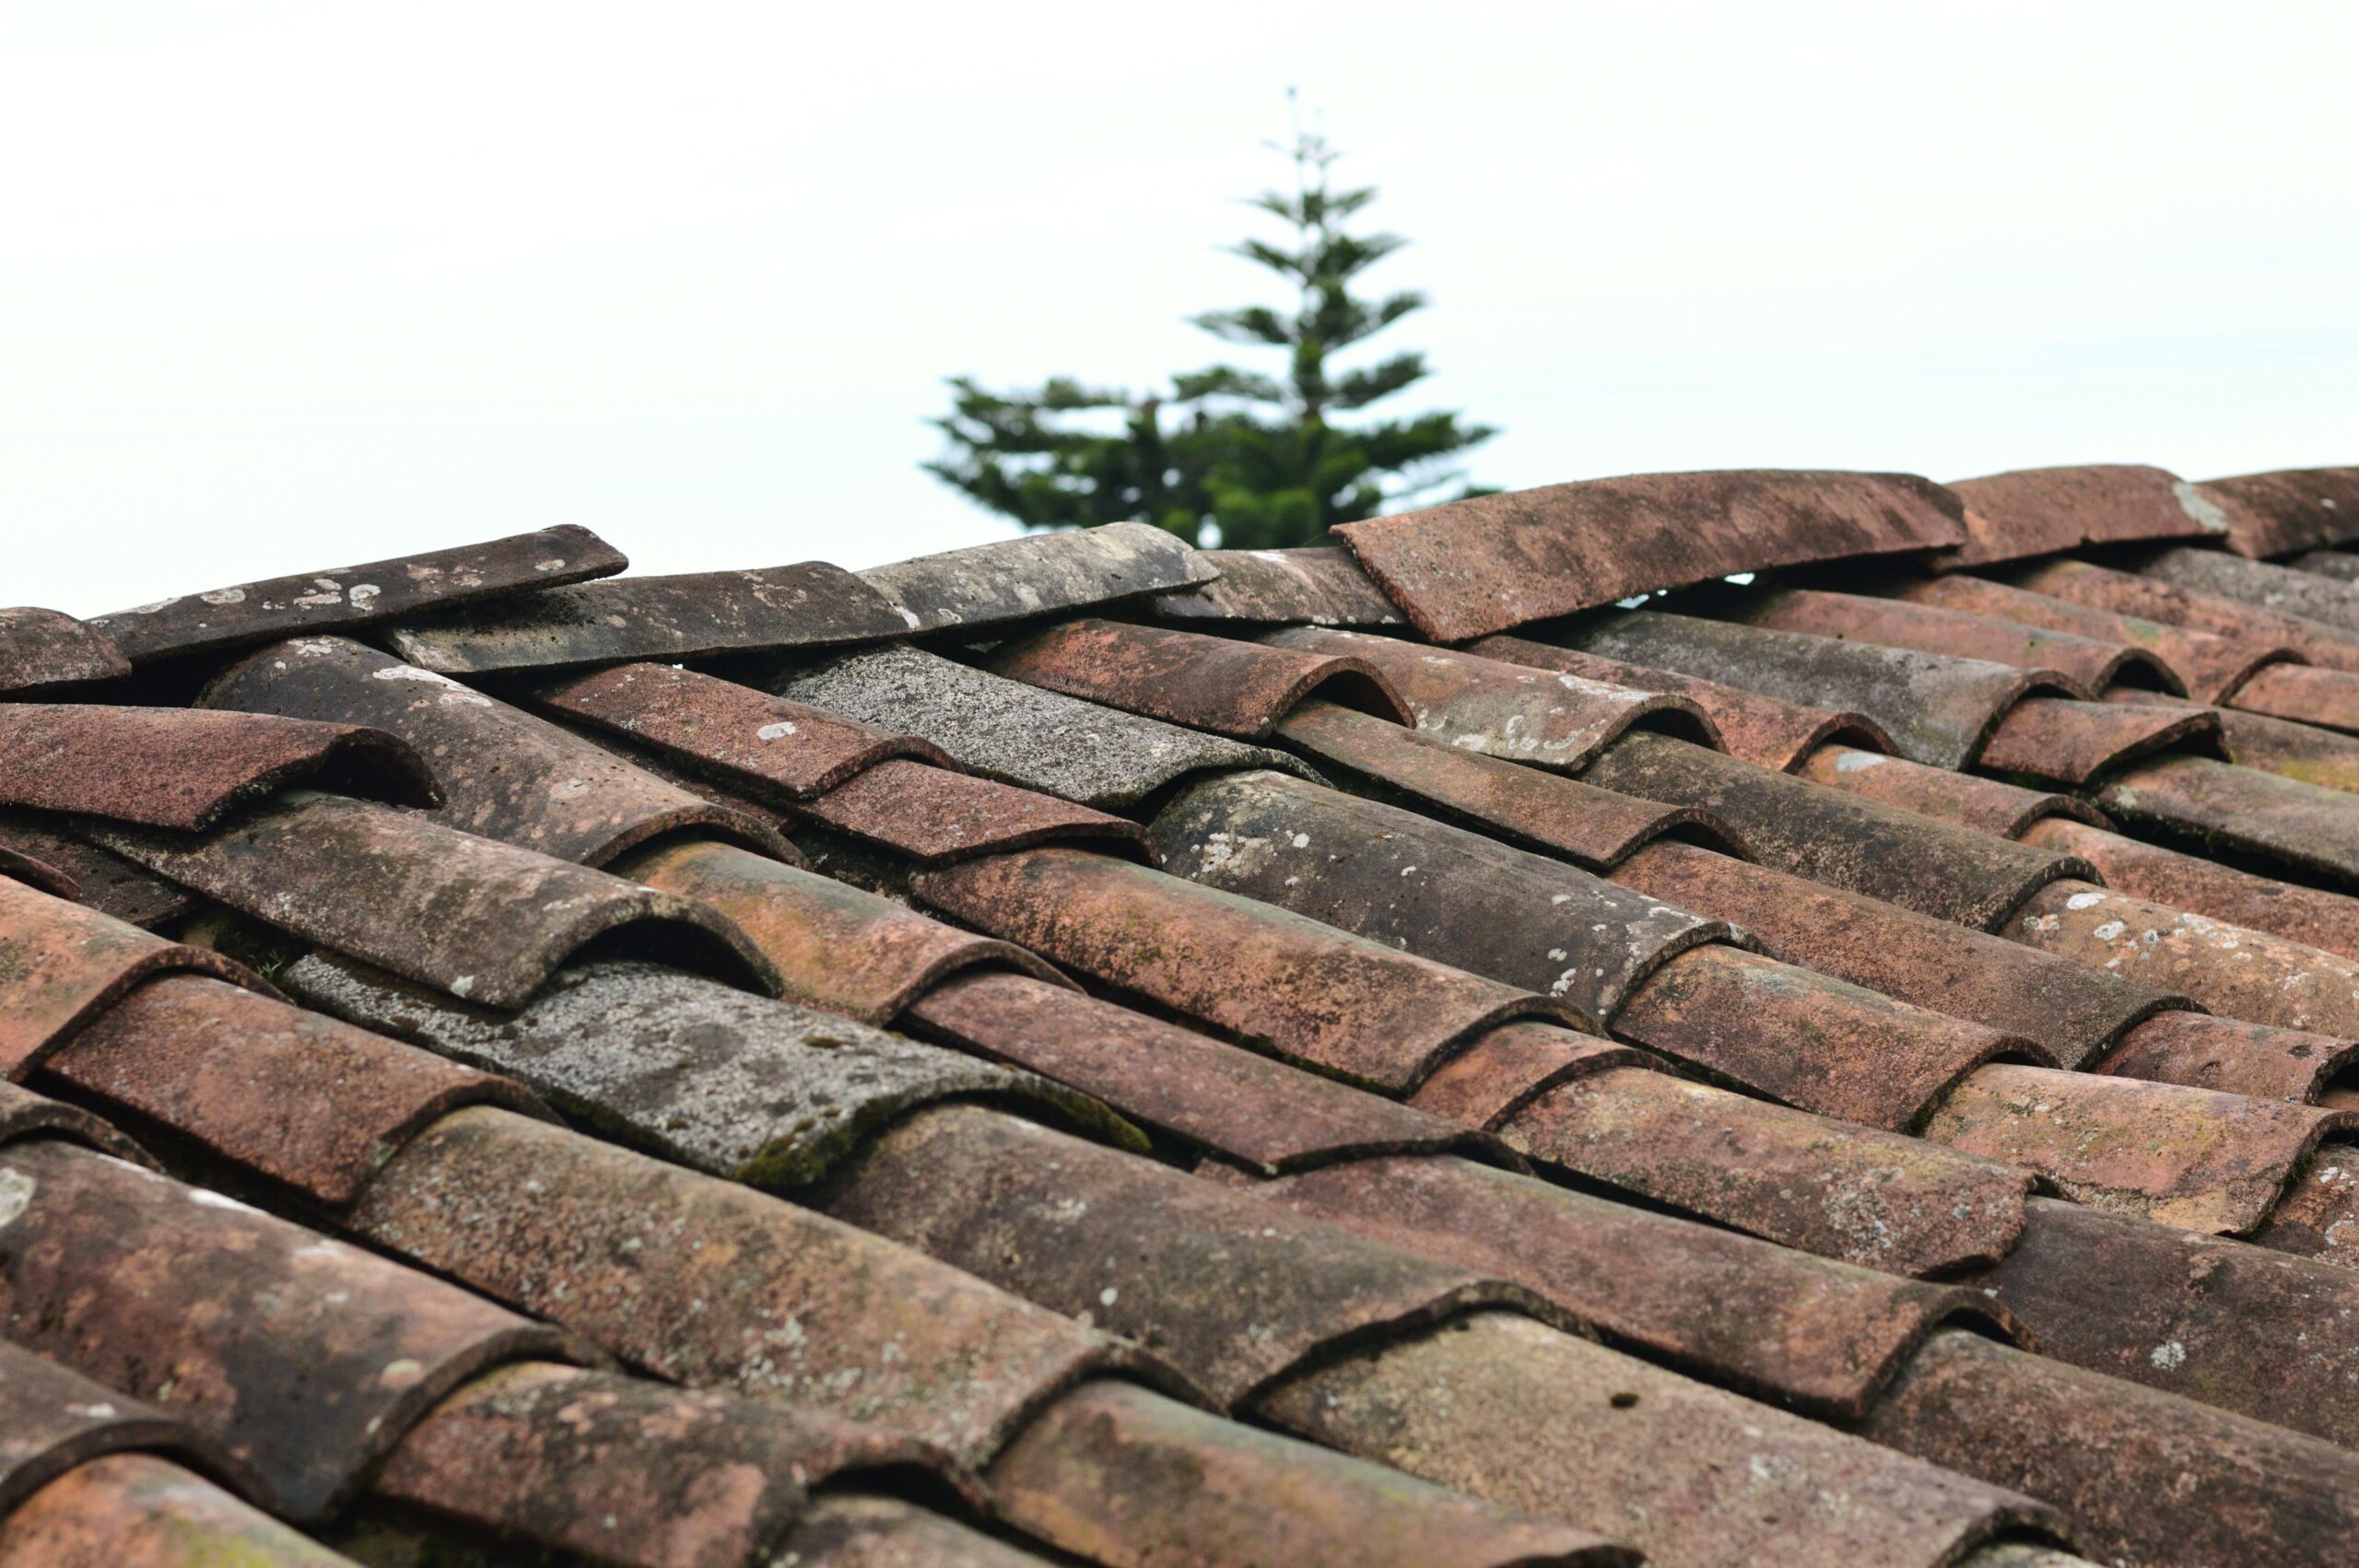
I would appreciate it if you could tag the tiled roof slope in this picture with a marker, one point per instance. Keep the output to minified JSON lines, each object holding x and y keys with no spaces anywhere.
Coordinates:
{"x":1087,"y":1050}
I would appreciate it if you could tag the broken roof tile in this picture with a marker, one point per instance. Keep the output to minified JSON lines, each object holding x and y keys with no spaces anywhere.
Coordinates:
{"x":2043,"y":512}
{"x":1344,"y":1004}
{"x":183,"y":768}
{"x":2207,"y":666}
{"x":1530,"y":806}
{"x":306,"y":1357}
{"x":763,"y":745}
{"x":476,"y":917}
{"x":65,"y":964}
{"x":1038,"y":574}
{"x":810,"y":605}
{"x":935,"y":815}
{"x":1494,"y":562}
{"x":739,"y":1086}
{"x":341,"y":598}
{"x":1863,"y":845}
{"x":505,"y":774}
{"x":41,"y":648}
{"x":1320,"y":585}
{"x":2287,"y":509}
{"x":2093,"y":663}
{"x":1086,"y":752}
{"x":1547,"y":718}
{"x":299,"y":1097}
{"x":834,"y":946}
{"x":1935,"y":709}
{"x":1425,"y":887}
{"x":1756,"y":729}
{"x":1238,"y":689}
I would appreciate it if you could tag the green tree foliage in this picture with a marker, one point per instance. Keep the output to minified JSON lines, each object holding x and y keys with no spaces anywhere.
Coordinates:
{"x":1269,"y":460}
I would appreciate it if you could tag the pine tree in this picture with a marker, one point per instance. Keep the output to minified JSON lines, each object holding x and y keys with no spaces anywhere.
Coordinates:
{"x":1263,"y":459}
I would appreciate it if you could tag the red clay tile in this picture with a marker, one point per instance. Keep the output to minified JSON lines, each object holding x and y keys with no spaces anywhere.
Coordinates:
{"x":2207,"y":1051}
{"x":52,"y":1419}
{"x":66,"y":964}
{"x":2071,"y":742}
{"x":1340,"y":1002}
{"x":505,"y":774}
{"x":1864,"y":846}
{"x":1545,"y":718}
{"x":344,"y":597}
{"x":104,"y":881}
{"x":1986,"y":805}
{"x":2041,"y":512}
{"x":38,"y":874}
{"x":182,"y":768}
{"x":1962,"y":634}
{"x":2307,"y":915}
{"x":2287,"y":509}
{"x":306,"y":1357}
{"x":2304,"y":694}
{"x":835,"y":947}
{"x":1528,"y":806}
{"x":1239,"y":689}
{"x":136,"y":1511}
{"x":765,"y":745}
{"x":1246,"y":1109}
{"x":299,"y":1097}
{"x":2263,"y":584}
{"x":2206,"y":665}
{"x":934,"y":815}
{"x":24,"y":1114}
{"x":1493,"y":562}
{"x":44,"y":648}
{"x":1506,"y":1068}
{"x":2124,"y":593}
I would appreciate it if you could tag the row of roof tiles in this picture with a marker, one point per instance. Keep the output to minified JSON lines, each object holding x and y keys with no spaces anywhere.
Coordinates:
{"x":1851,"y":1075}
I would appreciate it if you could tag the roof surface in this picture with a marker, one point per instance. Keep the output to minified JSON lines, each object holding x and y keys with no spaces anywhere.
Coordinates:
{"x":1482,"y":1043}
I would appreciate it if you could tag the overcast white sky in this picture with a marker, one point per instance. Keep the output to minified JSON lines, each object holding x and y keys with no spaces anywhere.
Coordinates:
{"x":289,"y":286}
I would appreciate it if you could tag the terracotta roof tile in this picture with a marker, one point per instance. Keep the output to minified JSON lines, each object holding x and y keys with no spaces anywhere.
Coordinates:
{"x":2288,"y":509}
{"x":1326,"y":1138}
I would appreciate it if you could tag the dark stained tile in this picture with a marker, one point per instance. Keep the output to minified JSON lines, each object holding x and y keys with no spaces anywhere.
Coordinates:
{"x":344,"y":597}
{"x":104,"y":881}
{"x":1935,"y":709}
{"x":1038,"y":574}
{"x":2306,"y":826}
{"x":1084,"y":752}
{"x":1495,"y":562}
{"x":477,"y":918}
{"x":811,"y":606}
{"x":1756,"y":729}
{"x":505,"y":774}
{"x":138,"y":1511}
{"x":2263,"y":584}
{"x":1320,"y":585}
